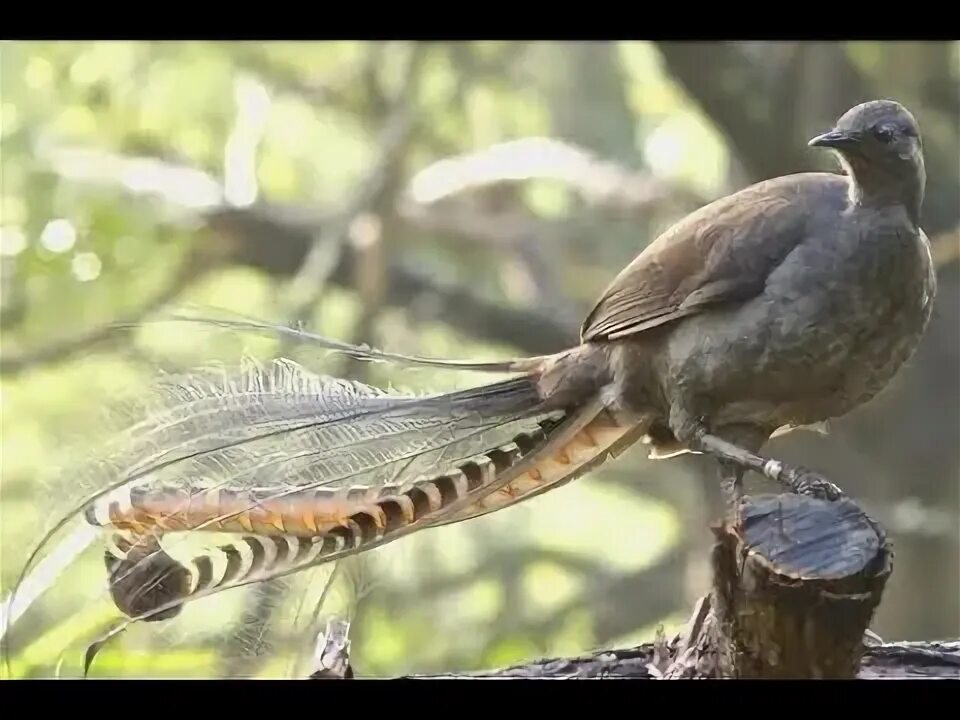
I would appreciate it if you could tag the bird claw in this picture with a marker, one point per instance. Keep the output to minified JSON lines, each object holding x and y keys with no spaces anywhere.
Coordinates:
{"x":806,"y":482}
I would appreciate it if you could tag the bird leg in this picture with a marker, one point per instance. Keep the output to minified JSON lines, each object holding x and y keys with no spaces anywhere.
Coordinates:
{"x":797,"y":479}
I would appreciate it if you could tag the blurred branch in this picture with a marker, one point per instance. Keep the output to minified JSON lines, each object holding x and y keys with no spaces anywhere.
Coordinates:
{"x":315,"y":249}
{"x":524,"y":243}
{"x":194,"y":266}
{"x":466,"y":222}
{"x":411,"y":289}
{"x":470,"y":63}
{"x":339,"y":89}
{"x":448,"y":195}
{"x":13,"y":301}
{"x":330,"y":90}
{"x":275,"y":238}
{"x":598,"y":181}
{"x":307,"y":284}
{"x":240,"y":150}
{"x":192,"y":196}
{"x":756,"y":110}
{"x":723,"y":95}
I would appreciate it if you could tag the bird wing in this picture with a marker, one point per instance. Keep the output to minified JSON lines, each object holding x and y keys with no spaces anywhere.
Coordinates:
{"x":721,"y":253}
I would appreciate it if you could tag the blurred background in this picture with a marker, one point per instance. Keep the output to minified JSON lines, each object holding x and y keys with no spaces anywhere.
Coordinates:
{"x":461,"y":200}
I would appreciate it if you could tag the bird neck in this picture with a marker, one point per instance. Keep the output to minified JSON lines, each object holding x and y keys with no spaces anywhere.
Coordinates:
{"x":878,"y":185}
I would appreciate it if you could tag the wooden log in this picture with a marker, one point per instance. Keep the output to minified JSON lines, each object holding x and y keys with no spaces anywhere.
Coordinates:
{"x":796,"y":583}
{"x":934,"y":660}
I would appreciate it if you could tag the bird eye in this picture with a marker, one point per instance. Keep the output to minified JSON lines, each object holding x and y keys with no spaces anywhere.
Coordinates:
{"x":883,"y":134}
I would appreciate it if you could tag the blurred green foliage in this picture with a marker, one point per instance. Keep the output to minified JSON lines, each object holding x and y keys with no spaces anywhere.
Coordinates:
{"x":178,"y":102}
{"x":77,"y":254}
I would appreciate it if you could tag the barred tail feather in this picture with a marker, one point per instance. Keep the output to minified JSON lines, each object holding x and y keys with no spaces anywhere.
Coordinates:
{"x":147,"y":583}
{"x":265,"y":433}
{"x":275,"y":470}
{"x":533,"y":462}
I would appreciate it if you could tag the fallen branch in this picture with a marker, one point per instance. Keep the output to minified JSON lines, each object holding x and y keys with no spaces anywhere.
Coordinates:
{"x":887,"y":661}
{"x":906,"y":660}
{"x":796,"y":583}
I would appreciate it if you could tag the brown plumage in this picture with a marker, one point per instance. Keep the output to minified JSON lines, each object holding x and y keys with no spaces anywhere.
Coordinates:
{"x":721,"y":253}
{"x":784,"y":304}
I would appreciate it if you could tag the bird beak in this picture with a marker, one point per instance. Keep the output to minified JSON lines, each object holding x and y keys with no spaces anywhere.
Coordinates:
{"x":837,"y":139}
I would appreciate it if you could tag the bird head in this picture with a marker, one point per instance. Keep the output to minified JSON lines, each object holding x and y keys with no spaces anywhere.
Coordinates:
{"x":879,"y":145}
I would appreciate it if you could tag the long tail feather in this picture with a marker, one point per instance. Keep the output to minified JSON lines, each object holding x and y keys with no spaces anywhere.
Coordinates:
{"x":261,"y":435}
{"x":234,"y":321}
{"x":223,"y":479}
{"x":532,"y":463}
{"x":388,"y":517}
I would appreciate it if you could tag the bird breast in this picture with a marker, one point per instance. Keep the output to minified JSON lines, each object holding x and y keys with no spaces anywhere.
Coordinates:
{"x":833,"y":325}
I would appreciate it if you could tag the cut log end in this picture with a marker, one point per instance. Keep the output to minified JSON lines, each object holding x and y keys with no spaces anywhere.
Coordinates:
{"x":796,"y":583}
{"x":805,"y":539}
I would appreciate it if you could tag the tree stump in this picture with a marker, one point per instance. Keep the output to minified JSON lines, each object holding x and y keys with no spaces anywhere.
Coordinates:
{"x":796,"y":583}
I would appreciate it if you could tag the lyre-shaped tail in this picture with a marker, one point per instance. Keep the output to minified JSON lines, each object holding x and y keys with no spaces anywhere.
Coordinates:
{"x":277,"y":450}
{"x":282,"y":470}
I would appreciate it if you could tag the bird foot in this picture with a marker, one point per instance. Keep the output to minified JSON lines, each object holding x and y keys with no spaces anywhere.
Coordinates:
{"x":802,"y":481}
{"x":798,"y":480}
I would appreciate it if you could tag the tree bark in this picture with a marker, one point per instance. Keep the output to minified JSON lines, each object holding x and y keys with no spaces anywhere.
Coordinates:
{"x":890,"y":661}
{"x":796,"y":582}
